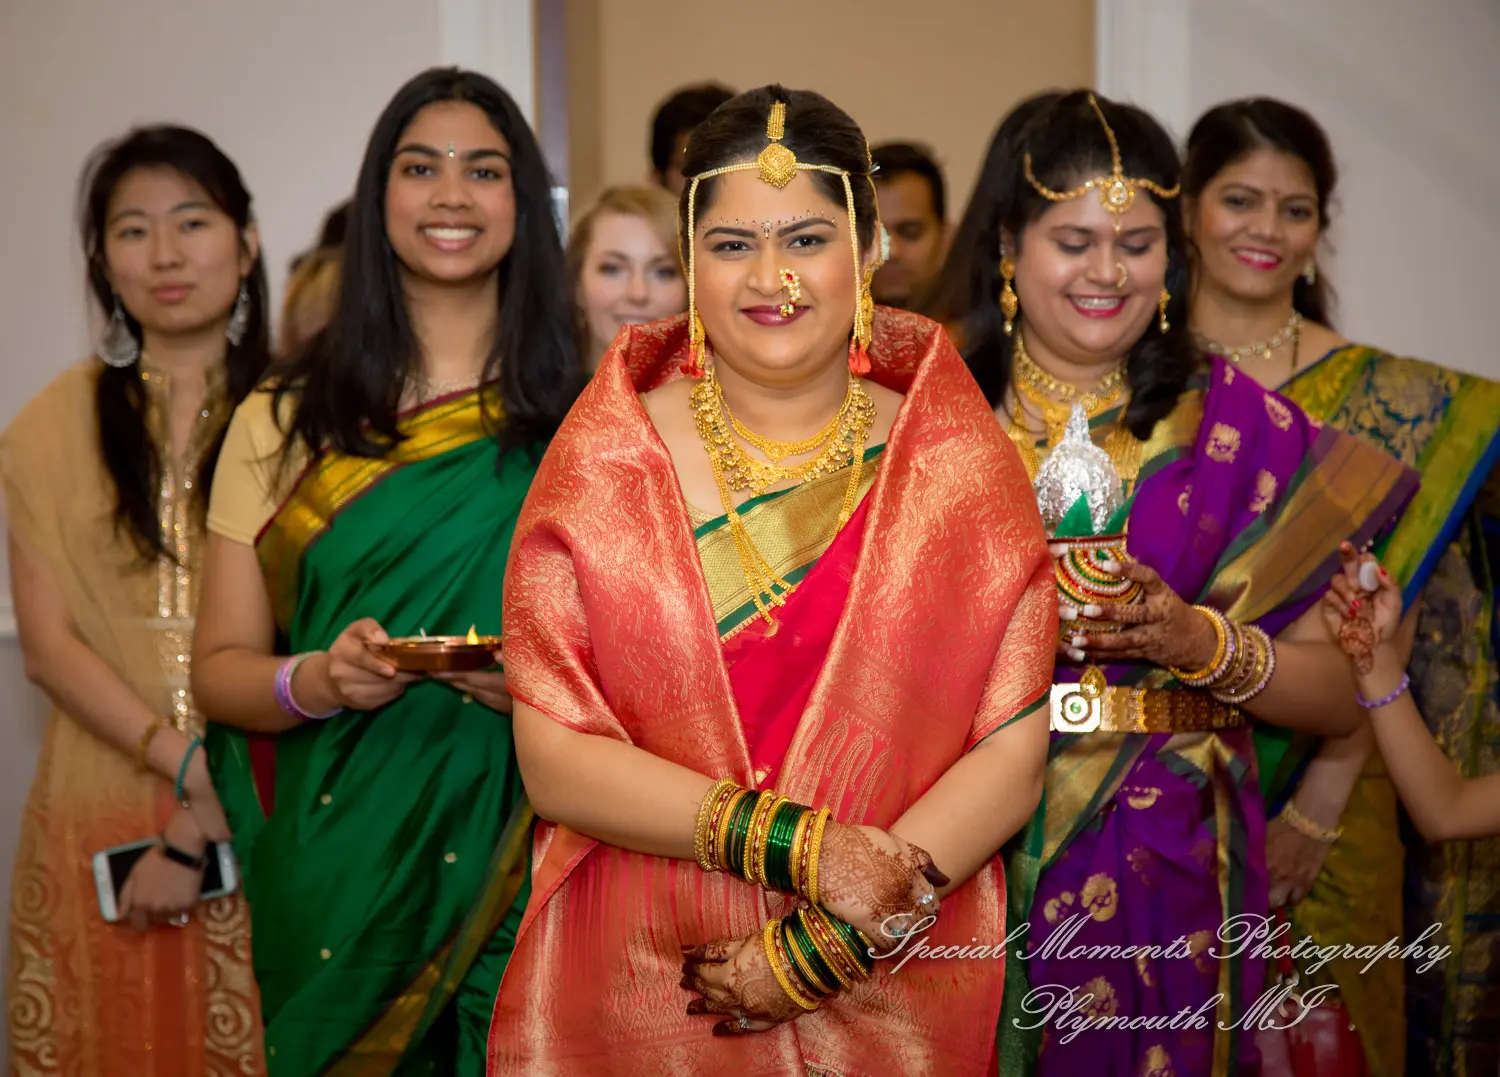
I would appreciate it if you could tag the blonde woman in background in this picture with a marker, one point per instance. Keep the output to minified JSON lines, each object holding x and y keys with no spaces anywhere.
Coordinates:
{"x":311,"y":293}
{"x":623,"y":267}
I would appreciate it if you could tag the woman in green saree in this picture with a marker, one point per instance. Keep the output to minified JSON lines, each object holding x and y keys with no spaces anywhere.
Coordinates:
{"x":379,"y":815}
{"x":1258,"y":178}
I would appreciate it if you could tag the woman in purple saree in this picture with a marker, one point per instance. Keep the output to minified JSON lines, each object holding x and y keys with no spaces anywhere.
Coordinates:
{"x":1227,"y":506}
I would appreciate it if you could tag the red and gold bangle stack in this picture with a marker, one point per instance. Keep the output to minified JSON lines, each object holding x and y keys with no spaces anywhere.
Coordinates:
{"x":766,"y":839}
{"x":1243,"y":664}
{"x":760,"y":836}
{"x":814,"y":955}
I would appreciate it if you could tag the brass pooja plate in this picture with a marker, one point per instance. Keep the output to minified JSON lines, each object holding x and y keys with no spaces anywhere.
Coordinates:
{"x":439,"y":654}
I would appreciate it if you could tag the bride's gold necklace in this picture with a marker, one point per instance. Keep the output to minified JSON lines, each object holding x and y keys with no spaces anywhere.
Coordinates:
{"x":1035,"y":386}
{"x":838,"y":438}
{"x":843,"y":440}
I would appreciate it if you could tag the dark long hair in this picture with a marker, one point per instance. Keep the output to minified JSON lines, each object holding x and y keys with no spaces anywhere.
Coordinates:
{"x":134,"y":466}
{"x":970,"y":276}
{"x":817,"y":132}
{"x":1067,"y":146}
{"x":1234,"y":130}
{"x":346,"y":384}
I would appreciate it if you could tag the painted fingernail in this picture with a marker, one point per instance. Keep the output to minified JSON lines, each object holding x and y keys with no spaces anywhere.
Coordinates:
{"x":696,"y":953}
{"x":1111,"y":567}
{"x":934,"y":876}
{"x":1076,"y":655}
{"x":1357,"y":603}
{"x":723,"y":1030}
{"x":1067,"y":613}
{"x":686,"y":984}
{"x":1092,"y":610}
{"x":1080,"y":641}
{"x":697,"y":1006}
{"x":1384,"y":574}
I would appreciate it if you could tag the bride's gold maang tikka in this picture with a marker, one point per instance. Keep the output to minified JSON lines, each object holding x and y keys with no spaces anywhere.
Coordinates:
{"x":778,"y":165}
{"x":1116,"y":190}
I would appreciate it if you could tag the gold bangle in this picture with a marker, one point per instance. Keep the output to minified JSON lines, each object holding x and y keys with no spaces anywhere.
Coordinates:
{"x":702,"y":833}
{"x":768,"y":941}
{"x":793,"y":862}
{"x":816,"y":851}
{"x":726,"y":819}
{"x":834,"y":939}
{"x":1218,"y":620}
{"x":812,"y":925}
{"x":755,"y":859}
{"x":804,"y":964}
{"x":144,"y":746}
{"x":1307,"y":828}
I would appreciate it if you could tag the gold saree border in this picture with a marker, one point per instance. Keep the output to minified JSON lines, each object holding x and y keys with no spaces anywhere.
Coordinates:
{"x":381,"y":1049}
{"x":334,"y":481}
{"x":1348,"y":484}
{"x":1450,"y":453}
{"x":791,"y":530}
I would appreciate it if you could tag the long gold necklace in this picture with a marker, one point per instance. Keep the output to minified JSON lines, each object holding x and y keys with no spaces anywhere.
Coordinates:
{"x":1032,"y":385}
{"x":735,"y":469}
{"x":1289,"y":333}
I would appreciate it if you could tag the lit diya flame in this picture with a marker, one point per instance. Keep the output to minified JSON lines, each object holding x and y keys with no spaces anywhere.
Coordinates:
{"x":473,"y":637}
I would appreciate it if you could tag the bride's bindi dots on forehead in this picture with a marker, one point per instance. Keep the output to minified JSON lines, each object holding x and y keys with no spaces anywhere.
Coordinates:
{"x":765,"y":227}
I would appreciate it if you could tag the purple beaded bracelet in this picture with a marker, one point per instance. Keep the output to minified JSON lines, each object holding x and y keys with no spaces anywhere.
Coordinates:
{"x":284,"y":698}
{"x":1370,"y":705}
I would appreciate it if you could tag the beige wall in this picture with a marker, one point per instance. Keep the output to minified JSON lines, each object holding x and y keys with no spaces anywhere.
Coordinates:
{"x":940,"y":71}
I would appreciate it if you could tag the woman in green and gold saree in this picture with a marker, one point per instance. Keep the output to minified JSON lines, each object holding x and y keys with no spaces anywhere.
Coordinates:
{"x":371,"y":494}
{"x":1259,"y":178}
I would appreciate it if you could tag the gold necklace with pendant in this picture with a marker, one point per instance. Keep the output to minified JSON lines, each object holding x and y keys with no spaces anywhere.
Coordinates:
{"x":735,"y":469}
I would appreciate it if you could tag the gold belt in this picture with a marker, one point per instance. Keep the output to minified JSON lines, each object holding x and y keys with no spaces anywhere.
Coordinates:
{"x":1088,"y":707}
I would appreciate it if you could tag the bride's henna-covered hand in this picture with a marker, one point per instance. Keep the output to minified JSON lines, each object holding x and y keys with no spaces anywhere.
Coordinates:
{"x":733,"y":979}
{"x":876,"y":881}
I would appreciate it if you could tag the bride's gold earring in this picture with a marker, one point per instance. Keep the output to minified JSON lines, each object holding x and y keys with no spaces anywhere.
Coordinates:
{"x":1310,"y":273}
{"x":1009,"y":304}
{"x":1161,"y":308}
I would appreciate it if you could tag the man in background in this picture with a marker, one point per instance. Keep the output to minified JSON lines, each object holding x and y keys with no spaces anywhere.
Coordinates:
{"x":674,"y":123}
{"x":913,"y":203}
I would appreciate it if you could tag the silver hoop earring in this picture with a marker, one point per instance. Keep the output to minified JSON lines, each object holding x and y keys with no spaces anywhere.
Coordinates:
{"x":118,"y":347}
{"x":239,"y":318}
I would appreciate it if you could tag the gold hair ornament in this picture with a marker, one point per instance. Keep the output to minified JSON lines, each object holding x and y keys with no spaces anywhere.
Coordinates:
{"x":1116,"y":190}
{"x":778,"y":166}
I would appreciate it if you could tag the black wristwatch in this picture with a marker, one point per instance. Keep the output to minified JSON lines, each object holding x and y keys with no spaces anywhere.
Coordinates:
{"x":187,"y":860}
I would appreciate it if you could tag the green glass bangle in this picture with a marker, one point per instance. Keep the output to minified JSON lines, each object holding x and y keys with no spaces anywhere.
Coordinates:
{"x":805,"y":962}
{"x":739,"y":832}
{"x":779,"y":846}
{"x":814,"y":958}
{"x":859,"y":946}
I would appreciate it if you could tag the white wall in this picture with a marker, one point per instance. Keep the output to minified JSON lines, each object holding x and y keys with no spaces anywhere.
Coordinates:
{"x":288,"y":88}
{"x":1407,"y":92}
